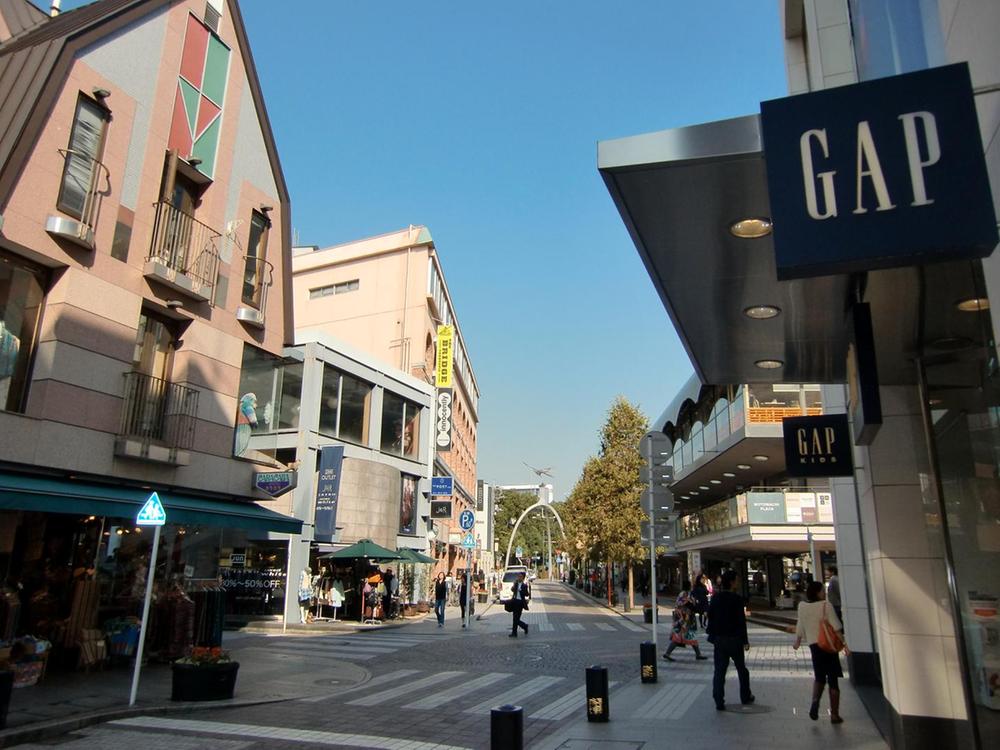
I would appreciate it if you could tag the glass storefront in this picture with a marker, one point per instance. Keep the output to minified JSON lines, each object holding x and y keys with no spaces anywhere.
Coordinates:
{"x":961,"y":375}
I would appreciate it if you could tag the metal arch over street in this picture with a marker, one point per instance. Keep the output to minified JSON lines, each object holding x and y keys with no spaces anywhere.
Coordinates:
{"x":527,"y":510}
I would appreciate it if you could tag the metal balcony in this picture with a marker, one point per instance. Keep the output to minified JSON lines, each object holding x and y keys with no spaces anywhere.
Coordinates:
{"x":79,"y":194}
{"x":158,"y":419}
{"x":258,"y":275}
{"x":184,"y":254}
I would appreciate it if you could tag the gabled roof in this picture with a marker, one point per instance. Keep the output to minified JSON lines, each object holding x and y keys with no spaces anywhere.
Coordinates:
{"x":34,"y":66}
{"x":20,"y":15}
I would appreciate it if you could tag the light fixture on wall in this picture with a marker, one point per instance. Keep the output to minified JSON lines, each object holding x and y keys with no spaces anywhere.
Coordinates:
{"x":194,"y":161}
{"x":266,"y":209}
{"x":100,"y":94}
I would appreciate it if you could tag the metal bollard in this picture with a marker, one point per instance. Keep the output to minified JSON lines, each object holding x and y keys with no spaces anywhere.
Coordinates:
{"x":597,"y":693}
{"x":647,"y":661}
{"x":507,"y":728}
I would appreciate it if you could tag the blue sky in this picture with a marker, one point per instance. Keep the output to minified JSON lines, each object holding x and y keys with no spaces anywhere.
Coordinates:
{"x":480,"y":120}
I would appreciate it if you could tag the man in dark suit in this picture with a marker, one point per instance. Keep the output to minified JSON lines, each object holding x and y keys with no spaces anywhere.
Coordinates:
{"x":520,"y":594}
{"x":727,"y":631}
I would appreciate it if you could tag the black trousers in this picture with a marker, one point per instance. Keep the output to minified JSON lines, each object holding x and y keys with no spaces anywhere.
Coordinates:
{"x":518,"y":609}
{"x":726,"y":648}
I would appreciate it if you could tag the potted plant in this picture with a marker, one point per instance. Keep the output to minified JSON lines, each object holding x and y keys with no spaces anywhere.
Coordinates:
{"x":205,"y":674}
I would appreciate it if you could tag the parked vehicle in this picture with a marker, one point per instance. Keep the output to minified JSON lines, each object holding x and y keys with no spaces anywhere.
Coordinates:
{"x":509,"y":576}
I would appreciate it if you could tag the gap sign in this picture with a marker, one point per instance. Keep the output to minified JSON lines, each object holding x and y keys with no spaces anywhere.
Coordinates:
{"x":881,"y":174}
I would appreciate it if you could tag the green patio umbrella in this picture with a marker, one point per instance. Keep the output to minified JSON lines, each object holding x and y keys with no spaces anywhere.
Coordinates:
{"x":412,"y":556}
{"x":366,"y":549}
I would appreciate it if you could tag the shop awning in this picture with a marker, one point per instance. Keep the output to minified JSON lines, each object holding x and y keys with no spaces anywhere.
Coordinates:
{"x":678,"y":191}
{"x":54,"y":495}
{"x":412,"y":556}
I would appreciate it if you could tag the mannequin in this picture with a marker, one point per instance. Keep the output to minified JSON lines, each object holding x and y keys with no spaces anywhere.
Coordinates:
{"x":305,"y":593}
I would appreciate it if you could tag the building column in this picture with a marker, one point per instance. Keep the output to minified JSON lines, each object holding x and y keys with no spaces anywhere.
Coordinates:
{"x":907,"y":580}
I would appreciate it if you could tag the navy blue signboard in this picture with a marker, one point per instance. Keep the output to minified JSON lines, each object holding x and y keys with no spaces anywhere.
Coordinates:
{"x":331,"y":461}
{"x":880,"y":174}
{"x":442,"y":486}
{"x":275,"y":483}
{"x":818,"y":446}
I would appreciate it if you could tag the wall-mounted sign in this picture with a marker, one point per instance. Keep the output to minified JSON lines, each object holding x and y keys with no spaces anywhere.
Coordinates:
{"x":444,"y":357}
{"x":237,"y":559}
{"x":331,"y":461}
{"x":408,"y":505}
{"x":275,"y":483}
{"x":818,"y":446}
{"x":880,"y":174}
{"x":442,"y":419}
{"x":442,"y":486}
{"x":441,"y":509}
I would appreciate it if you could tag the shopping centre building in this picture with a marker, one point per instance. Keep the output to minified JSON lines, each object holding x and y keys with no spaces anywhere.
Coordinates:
{"x":845,"y":237}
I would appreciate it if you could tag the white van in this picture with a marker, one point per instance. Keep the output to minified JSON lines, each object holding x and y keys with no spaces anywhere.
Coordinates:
{"x":507,"y":582}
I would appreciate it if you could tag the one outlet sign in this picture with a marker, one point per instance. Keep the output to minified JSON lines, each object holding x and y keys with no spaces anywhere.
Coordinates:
{"x":818,"y":446}
{"x":880,"y":174}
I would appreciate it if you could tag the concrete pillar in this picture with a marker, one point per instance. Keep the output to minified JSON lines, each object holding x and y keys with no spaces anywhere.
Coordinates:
{"x":907,"y":578}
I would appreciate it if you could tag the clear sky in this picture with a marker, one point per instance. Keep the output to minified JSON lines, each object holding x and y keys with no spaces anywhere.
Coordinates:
{"x":480,"y":120}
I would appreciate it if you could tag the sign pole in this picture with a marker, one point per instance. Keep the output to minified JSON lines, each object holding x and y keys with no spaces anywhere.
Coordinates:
{"x":145,"y":615}
{"x":650,"y":448}
{"x":468,"y":588}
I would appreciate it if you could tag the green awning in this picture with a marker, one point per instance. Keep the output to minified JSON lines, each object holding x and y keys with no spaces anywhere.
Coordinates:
{"x":52,"y":495}
{"x":412,"y":556}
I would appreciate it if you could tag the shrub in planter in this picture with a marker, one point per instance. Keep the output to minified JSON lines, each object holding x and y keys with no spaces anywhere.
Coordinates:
{"x":206,"y":674}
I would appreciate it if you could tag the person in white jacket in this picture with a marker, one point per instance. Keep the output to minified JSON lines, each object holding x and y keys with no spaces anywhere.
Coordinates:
{"x":826,"y":665}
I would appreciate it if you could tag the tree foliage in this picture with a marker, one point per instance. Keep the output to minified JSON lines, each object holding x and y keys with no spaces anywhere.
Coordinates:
{"x":603,"y":512}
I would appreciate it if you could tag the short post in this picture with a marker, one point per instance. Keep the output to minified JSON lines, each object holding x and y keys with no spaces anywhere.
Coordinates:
{"x":507,"y":728}
{"x":647,"y":660}
{"x":597,"y":693}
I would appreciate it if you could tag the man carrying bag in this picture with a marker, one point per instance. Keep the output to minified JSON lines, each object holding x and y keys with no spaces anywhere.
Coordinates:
{"x":518,"y":602}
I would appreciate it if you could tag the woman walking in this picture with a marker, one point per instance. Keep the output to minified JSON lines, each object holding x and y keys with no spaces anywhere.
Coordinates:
{"x":826,"y":665}
{"x":683,"y":632}
{"x":440,"y":597}
{"x":700,"y":595}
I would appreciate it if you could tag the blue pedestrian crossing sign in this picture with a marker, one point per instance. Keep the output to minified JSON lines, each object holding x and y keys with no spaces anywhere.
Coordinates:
{"x":469,"y":541}
{"x":467,"y":520}
{"x":152,"y":512}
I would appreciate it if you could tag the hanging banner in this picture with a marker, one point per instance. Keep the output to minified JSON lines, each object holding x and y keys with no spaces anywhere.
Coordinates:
{"x":445,"y":356}
{"x":442,"y":419}
{"x":408,"y":505}
{"x":818,"y":446}
{"x":331,"y":461}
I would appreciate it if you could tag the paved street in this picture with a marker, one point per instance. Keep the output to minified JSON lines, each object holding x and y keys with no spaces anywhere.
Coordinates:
{"x":422,"y":687}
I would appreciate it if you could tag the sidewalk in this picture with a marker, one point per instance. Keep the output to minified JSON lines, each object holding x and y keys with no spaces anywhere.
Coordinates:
{"x":65,"y":702}
{"x":678,"y":710}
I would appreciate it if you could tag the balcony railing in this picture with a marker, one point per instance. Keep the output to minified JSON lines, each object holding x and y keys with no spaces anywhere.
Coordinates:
{"x":85,"y":182}
{"x":157,"y":411}
{"x":188,"y":249}
{"x":775,"y":414}
{"x":258,"y":275}
{"x":762,"y":506}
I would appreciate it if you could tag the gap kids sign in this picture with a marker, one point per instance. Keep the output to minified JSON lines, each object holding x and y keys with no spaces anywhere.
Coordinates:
{"x":818,"y":446}
{"x":884,"y":173}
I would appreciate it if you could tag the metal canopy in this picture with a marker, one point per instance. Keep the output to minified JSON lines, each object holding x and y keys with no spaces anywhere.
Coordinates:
{"x":678,"y":191}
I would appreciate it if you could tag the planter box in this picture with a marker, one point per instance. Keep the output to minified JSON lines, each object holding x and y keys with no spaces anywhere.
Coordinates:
{"x":647,"y":615}
{"x":204,"y":682}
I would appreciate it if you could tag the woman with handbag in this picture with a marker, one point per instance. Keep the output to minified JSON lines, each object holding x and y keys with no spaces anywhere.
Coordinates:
{"x":683,"y":632}
{"x":819,"y":627}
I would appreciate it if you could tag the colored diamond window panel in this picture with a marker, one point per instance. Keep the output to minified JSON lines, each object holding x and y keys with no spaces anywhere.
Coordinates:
{"x":201,"y":92}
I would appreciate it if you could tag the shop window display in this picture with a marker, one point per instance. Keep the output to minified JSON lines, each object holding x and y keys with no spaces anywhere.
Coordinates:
{"x":73,"y":589}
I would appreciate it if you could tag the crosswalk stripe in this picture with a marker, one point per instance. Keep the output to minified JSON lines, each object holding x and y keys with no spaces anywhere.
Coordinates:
{"x":516,"y":695}
{"x":560,"y":709}
{"x":387,"y":695}
{"x":457,"y":691}
{"x":546,"y":627}
{"x":605,"y":626}
{"x":399,"y":674}
{"x":629,"y":625}
{"x":574,"y":626}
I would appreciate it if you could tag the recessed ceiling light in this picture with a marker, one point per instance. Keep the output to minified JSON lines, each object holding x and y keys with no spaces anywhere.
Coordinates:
{"x":744,"y":467}
{"x":769,"y":364}
{"x":714,"y":481}
{"x":751,"y":228}
{"x":685,"y":497}
{"x":935,"y":402}
{"x":761,"y":312}
{"x":693,"y":492}
{"x":703,"y":487}
{"x":730,"y":474}
{"x":760,"y":457}
{"x":973,"y":304}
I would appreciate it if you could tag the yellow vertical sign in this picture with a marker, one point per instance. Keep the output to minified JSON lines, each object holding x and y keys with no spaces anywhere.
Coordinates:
{"x":442,"y":364}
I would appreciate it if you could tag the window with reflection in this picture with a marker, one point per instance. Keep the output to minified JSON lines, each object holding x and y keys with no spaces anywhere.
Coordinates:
{"x":329,"y":401}
{"x":355,"y":409}
{"x":721,"y":412}
{"x":22,"y":291}
{"x":698,"y":441}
